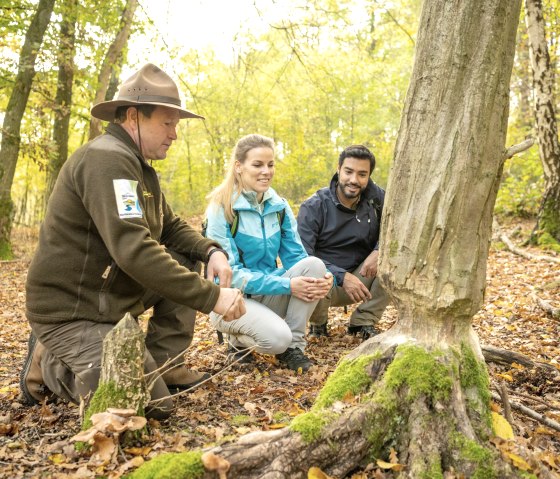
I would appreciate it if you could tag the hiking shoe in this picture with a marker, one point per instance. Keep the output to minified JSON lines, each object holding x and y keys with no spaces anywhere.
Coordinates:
{"x":294,"y":359}
{"x":364,"y":332}
{"x":33,"y":391}
{"x":180,"y":378}
{"x":318,"y":330}
{"x":239,"y":355}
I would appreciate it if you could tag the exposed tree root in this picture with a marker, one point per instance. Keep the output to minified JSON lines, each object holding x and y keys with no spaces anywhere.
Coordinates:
{"x":430,"y":405}
{"x":547,"y":307}
{"x":525,"y":254}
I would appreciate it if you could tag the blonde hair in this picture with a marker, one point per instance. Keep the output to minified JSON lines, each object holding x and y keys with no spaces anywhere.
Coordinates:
{"x":223,"y":194}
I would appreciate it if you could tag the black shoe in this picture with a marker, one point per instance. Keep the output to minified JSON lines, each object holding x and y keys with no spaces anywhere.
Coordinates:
{"x":364,"y":332}
{"x":294,"y":359}
{"x":239,"y":355}
{"x":318,"y":330}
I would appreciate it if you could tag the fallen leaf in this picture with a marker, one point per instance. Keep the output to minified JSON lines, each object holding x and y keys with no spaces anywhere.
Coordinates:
{"x":501,"y":427}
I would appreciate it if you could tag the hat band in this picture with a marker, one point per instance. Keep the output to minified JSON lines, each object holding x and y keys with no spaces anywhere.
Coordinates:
{"x":151,"y":99}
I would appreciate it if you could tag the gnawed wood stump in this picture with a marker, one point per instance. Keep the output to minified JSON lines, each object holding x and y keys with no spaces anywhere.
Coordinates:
{"x":122,"y":383}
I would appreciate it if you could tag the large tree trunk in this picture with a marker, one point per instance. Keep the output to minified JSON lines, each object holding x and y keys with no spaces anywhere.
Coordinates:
{"x":110,"y":63}
{"x":548,"y":222}
{"x":9,"y":149}
{"x":422,"y":387}
{"x":63,"y":101}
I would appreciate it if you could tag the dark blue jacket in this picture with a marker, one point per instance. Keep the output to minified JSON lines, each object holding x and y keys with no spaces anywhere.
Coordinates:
{"x":340,"y":236}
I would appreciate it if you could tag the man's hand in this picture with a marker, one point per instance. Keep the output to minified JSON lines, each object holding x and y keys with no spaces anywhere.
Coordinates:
{"x":230,"y":304}
{"x":310,"y":289}
{"x":355,"y":288}
{"x":218,"y":266}
{"x":369,"y":268}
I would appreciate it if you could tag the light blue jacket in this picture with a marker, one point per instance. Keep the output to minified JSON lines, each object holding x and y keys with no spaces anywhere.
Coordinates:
{"x":259,"y":241}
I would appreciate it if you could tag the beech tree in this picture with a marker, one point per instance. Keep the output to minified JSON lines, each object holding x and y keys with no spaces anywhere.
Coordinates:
{"x":421,"y":388}
{"x":548,"y":221}
{"x":9,"y":148}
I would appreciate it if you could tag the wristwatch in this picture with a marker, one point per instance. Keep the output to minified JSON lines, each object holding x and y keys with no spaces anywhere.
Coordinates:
{"x":214,"y":250}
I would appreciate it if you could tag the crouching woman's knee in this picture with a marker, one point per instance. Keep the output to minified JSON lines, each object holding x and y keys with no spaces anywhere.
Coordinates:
{"x":277,"y":340}
{"x":315,"y":267}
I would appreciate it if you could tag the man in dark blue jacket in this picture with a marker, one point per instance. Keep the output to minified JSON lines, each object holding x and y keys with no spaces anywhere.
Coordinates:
{"x":340,"y":224}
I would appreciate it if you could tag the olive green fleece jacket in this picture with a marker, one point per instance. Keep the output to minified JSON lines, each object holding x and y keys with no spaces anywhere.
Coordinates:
{"x":101,"y":247}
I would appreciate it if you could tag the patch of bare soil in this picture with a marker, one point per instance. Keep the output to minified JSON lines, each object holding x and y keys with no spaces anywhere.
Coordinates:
{"x":34,"y":441}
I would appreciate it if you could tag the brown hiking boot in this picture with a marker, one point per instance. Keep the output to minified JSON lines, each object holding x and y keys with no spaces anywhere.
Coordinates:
{"x":180,"y":378}
{"x":33,"y":391}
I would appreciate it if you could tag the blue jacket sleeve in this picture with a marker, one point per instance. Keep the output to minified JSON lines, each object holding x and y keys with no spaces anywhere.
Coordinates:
{"x":256,"y":282}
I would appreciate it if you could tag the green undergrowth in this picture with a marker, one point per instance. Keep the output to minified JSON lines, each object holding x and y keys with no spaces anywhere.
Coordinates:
{"x":182,"y":465}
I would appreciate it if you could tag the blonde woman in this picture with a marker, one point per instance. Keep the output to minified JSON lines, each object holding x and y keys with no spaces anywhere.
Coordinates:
{"x":255,"y":227}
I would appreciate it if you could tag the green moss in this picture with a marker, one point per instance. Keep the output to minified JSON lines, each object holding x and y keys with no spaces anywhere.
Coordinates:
{"x":527,"y":475}
{"x":183,"y":465}
{"x":311,"y":424}
{"x":433,"y":470}
{"x":547,"y":241}
{"x":241,"y":420}
{"x":6,"y":252}
{"x":107,"y":395}
{"x":348,"y":377}
{"x":472,"y":452}
{"x":421,"y":372}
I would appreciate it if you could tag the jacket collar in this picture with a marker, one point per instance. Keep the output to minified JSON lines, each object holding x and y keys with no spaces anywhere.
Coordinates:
{"x":121,"y":134}
{"x":247,"y":201}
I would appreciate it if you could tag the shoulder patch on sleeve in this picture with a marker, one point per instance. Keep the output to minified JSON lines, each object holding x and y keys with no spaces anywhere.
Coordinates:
{"x":127,"y":198}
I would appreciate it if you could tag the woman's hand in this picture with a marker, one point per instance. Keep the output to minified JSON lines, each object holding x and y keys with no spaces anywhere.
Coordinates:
{"x":310,"y":289}
{"x":230,"y":304}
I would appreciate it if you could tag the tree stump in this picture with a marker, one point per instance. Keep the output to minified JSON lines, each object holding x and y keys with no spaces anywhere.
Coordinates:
{"x":122,"y":384}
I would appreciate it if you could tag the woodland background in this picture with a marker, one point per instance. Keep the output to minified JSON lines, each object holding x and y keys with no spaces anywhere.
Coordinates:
{"x":316,"y":82}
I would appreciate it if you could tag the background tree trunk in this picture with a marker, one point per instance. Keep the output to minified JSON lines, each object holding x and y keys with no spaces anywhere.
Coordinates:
{"x":63,"y":101}
{"x":548,"y":221}
{"x":111,"y":62}
{"x":9,"y":149}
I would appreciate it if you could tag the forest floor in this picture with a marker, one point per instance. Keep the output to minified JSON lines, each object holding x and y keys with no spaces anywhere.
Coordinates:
{"x":35,"y":441}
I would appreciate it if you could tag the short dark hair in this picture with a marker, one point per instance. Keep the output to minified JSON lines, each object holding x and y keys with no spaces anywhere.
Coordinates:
{"x":360,"y":152}
{"x":145,"y":109}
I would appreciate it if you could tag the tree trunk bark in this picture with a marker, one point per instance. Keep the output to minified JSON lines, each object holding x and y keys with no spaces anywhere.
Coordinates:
{"x":63,"y":101}
{"x":548,"y":221}
{"x":111,"y":60}
{"x":9,"y":148}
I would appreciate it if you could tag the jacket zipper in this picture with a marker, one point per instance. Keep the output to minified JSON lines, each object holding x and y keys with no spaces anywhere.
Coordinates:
{"x":108,"y":276}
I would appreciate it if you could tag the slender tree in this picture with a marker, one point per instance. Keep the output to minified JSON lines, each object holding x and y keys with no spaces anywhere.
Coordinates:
{"x":9,"y":148}
{"x":548,"y":222}
{"x":113,"y":60}
{"x":421,"y":388}
{"x":63,"y":100}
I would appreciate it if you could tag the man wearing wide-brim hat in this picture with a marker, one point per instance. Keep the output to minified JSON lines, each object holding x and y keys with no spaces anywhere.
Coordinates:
{"x":111,"y":244}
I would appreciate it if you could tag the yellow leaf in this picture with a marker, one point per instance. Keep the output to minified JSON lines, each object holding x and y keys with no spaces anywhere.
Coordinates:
{"x":388,"y":465}
{"x":506,"y":376}
{"x":280,"y":425}
{"x":57,"y":458}
{"x":518,"y":462}
{"x":501,"y":427}
{"x":316,"y":473}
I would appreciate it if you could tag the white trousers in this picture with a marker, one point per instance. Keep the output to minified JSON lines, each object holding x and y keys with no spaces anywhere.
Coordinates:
{"x":273,"y":323}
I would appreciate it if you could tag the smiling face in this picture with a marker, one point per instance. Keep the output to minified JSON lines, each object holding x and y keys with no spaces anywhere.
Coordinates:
{"x":158,"y":132}
{"x":353,"y":176}
{"x":257,"y":170}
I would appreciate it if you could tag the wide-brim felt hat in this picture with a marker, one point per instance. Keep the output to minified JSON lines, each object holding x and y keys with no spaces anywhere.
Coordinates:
{"x":148,"y":86}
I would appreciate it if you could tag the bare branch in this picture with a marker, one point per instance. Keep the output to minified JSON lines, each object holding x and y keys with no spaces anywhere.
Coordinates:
{"x":530,"y":413}
{"x":520,"y":147}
